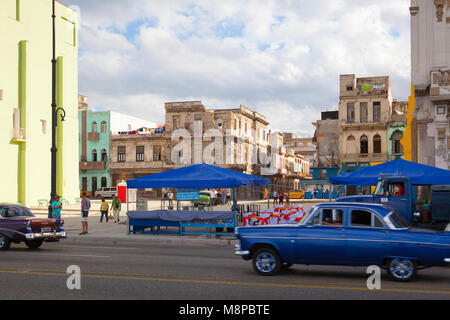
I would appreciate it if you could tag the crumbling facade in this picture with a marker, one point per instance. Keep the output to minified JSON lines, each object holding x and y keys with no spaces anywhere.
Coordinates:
{"x":430,"y":75}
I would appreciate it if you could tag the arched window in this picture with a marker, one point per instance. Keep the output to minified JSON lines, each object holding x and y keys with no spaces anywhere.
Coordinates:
{"x":104,"y":155}
{"x":397,"y":147}
{"x":94,"y":126}
{"x":94,"y":155}
{"x":364,"y":145}
{"x":103,"y":126}
{"x":104,"y":181}
{"x":351,"y":138}
{"x":377,"y":144}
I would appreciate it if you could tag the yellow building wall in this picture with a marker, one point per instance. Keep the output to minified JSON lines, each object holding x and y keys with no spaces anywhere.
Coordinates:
{"x":33,"y":23}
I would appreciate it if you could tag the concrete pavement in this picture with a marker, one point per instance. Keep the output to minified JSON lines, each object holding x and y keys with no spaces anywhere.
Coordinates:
{"x":118,"y":232}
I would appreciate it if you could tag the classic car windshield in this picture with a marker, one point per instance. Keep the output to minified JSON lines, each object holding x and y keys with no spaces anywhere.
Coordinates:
{"x":12,"y":212}
{"x":398,"y":221}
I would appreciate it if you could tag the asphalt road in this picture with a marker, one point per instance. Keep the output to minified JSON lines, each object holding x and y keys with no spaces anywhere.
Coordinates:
{"x":141,"y":270}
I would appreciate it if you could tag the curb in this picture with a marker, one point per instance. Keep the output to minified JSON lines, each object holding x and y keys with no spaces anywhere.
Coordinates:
{"x":140,"y":238}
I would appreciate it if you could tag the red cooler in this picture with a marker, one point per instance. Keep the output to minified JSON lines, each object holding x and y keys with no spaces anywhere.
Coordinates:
{"x":122,"y":191}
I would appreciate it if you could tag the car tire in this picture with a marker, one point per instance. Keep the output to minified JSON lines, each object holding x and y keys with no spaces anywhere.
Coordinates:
{"x":34,"y":244}
{"x":401,"y":270}
{"x":5,"y":243}
{"x":99,"y":196}
{"x":266,"y":262}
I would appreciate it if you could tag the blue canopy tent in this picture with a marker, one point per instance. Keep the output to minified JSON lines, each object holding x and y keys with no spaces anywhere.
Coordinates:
{"x":418,"y":173}
{"x":199,"y":176}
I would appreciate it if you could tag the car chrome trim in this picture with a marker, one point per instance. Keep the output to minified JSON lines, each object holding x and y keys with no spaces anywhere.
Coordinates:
{"x":242,"y":252}
{"x":45,"y":235}
{"x":340,"y":239}
{"x":447,"y":260}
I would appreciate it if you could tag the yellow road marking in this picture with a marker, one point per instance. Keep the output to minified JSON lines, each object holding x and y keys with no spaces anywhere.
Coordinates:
{"x":240,"y":283}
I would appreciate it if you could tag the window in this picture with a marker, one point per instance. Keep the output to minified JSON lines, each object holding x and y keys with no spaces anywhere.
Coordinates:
{"x":44,"y":126}
{"x":440,"y":110}
{"x":104,"y":155}
{"x":94,"y":126}
{"x":350,"y":112}
{"x":363,"y":112}
{"x":361,"y":218}
{"x":377,"y":144}
{"x":364,"y":145}
{"x":328,"y":217}
{"x":140,"y":154}
{"x":94,"y":155}
{"x":397,"y":147}
{"x":104,"y":182}
{"x":176,"y":122}
{"x":376,"y":112}
{"x":156,"y":153}
{"x":351,"y":138}
{"x":349,"y":88}
{"x":198,"y":117}
{"x":94,"y":184}
{"x":103,"y":126}
{"x":121,"y":154}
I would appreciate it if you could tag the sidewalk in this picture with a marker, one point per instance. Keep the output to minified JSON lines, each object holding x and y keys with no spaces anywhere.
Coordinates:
{"x":117,"y":232}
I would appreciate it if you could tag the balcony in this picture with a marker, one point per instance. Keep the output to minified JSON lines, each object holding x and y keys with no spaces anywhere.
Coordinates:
{"x":93,"y":136}
{"x":440,"y":85}
{"x":92,"y":165}
{"x":364,"y":157}
{"x":18,"y":135}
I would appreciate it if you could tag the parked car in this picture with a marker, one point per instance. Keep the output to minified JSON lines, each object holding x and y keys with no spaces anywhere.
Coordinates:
{"x":106,"y":192}
{"x":204,"y":198}
{"x":348,"y":234}
{"x":296,"y":194}
{"x":18,"y":224}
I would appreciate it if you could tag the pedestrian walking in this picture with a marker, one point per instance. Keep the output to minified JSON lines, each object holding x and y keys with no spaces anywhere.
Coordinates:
{"x":104,"y":209}
{"x":265,"y":193}
{"x":213,"y":198}
{"x":170,"y":196}
{"x":281,"y":197}
{"x":116,"y":206}
{"x":275,"y":197}
{"x":228,"y":196}
{"x":287,"y":198}
{"x":85,"y":206}
{"x":56,"y":208}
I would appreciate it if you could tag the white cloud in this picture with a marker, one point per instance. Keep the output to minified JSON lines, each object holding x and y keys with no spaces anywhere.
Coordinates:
{"x":281,"y":58}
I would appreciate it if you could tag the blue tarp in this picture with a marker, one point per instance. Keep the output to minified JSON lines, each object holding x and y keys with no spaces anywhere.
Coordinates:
{"x":418,"y":173}
{"x":199,"y":176}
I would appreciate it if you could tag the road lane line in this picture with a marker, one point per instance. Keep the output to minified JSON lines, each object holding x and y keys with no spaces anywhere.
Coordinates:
{"x":90,"y":247}
{"x":60,"y":254}
{"x":236,"y":283}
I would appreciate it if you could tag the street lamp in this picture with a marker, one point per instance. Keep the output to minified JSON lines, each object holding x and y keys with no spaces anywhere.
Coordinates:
{"x":55,"y":110}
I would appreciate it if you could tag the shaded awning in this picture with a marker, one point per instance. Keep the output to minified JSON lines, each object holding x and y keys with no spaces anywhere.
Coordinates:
{"x":199,"y":176}
{"x":419,"y":174}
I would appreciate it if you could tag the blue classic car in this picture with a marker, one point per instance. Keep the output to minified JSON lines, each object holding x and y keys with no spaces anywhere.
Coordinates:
{"x":347,"y":234}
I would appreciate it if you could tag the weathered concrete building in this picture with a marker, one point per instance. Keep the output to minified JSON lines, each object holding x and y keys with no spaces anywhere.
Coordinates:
{"x":326,"y":140}
{"x":430,"y":75}
{"x":300,"y":146}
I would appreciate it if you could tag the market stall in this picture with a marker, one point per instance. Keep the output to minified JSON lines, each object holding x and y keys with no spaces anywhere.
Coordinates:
{"x":188,"y":181}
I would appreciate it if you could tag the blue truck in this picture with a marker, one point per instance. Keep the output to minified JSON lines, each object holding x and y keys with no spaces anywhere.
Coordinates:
{"x":398,"y":193}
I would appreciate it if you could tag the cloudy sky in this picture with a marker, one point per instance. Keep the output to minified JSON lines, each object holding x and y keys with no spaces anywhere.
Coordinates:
{"x":281,"y":58}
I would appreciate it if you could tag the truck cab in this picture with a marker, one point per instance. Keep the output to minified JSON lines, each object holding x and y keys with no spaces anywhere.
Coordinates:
{"x":395,"y":192}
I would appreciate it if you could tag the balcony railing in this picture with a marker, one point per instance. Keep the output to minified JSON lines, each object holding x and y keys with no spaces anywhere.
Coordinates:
{"x":93,"y":136}
{"x":364,"y":157}
{"x":92,"y":165}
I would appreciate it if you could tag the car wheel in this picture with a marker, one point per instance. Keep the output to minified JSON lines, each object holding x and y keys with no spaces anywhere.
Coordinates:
{"x":266,"y":261}
{"x":99,"y":196}
{"x":34,"y":244}
{"x":5,"y":243}
{"x":402,"y":270}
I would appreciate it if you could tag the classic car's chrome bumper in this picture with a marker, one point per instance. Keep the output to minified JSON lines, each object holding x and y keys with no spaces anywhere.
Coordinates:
{"x":447,"y":260}
{"x":45,"y":235}
{"x":239,"y":252}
